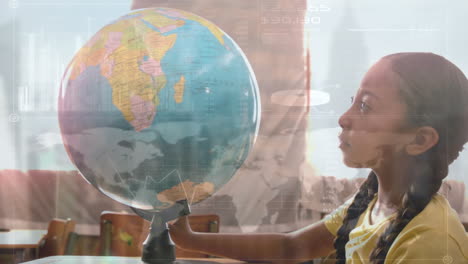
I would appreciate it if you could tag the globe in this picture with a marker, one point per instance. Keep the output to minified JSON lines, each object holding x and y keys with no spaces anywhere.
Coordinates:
{"x":158,"y":106}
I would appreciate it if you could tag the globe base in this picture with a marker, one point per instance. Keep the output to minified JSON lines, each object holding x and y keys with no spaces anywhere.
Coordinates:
{"x":158,"y":247}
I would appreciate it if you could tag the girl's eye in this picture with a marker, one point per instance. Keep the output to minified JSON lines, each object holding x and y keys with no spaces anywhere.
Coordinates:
{"x":364,"y":107}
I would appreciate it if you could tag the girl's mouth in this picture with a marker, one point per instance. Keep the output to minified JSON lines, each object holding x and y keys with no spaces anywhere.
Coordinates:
{"x":343,"y":142}
{"x":344,"y":145}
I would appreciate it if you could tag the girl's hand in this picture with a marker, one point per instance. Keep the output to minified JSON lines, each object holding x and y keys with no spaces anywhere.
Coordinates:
{"x":181,"y":233}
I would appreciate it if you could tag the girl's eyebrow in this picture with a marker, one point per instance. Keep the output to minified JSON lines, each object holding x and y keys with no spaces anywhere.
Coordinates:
{"x":364,"y":92}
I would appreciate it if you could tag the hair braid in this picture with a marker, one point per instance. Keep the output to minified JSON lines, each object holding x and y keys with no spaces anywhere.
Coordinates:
{"x":362,"y":199}
{"x":418,"y":196}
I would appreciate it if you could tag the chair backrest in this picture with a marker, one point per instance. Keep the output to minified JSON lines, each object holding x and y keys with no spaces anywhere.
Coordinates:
{"x":82,"y":245}
{"x":200,"y":223}
{"x":54,"y":242}
{"x":123,"y":234}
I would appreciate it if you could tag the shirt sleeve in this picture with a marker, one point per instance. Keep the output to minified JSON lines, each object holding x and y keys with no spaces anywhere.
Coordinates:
{"x":429,"y":247}
{"x":334,"y":220}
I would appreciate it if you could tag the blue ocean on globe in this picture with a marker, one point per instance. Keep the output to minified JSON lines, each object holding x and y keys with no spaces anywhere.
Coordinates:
{"x":159,"y":106}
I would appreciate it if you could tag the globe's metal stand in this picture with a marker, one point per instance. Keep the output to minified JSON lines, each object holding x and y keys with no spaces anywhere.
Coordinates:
{"x":158,"y":247}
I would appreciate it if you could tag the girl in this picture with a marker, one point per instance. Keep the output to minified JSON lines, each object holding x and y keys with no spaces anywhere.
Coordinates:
{"x":408,"y":122}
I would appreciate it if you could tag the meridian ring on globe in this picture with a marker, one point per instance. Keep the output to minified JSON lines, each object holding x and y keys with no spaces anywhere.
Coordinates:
{"x":159,"y":106}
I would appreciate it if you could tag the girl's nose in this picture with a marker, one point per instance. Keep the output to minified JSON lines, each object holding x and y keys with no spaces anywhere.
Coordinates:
{"x":345,"y":121}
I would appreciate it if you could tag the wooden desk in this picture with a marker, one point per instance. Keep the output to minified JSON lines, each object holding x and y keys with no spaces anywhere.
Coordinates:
{"x":122,"y":260}
{"x":19,"y":244}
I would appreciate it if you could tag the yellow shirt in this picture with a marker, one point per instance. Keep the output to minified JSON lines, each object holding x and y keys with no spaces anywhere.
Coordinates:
{"x":435,"y":235}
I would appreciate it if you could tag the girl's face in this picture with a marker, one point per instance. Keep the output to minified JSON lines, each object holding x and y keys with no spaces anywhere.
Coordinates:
{"x":373,"y":132}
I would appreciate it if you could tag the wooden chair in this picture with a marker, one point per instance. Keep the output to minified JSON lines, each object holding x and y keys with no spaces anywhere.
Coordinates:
{"x":8,"y":258}
{"x":123,"y":234}
{"x":54,"y":242}
{"x":82,"y":245}
{"x":200,"y":223}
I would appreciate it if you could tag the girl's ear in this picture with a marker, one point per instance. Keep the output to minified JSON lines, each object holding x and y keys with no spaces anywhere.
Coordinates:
{"x":424,"y":138}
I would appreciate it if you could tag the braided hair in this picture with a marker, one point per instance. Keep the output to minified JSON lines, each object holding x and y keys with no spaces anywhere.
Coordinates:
{"x":436,"y":94}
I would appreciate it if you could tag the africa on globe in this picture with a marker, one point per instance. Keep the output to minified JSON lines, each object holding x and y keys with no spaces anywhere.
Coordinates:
{"x":159,"y":106}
